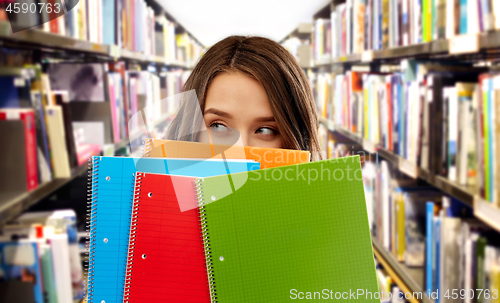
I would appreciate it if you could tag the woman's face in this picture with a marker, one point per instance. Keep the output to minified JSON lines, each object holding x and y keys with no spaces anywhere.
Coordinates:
{"x":237,"y":104}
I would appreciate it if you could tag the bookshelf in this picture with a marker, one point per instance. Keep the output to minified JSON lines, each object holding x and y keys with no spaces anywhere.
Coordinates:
{"x":468,"y":195}
{"x":14,"y":204}
{"x":488,"y":44}
{"x":359,"y":61}
{"x":42,"y":40}
{"x":64,"y":47}
{"x":408,"y":279}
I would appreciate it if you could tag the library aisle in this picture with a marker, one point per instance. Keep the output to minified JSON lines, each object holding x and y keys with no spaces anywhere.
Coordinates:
{"x":409,"y":86}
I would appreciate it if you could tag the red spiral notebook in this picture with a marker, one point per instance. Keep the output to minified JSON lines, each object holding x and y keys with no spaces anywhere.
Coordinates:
{"x":169,"y":239}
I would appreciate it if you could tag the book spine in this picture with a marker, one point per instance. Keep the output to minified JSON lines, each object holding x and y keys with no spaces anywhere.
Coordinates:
{"x":481,"y":8}
{"x":486,"y":158}
{"x":93,"y":169}
{"x":480,"y":270}
{"x":496,"y":140}
{"x":480,"y":134}
{"x":132,"y":237}
{"x":389,"y":114}
{"x":424,"y":20}
{"x":400,"y":223}
{"x":198,"y":186}
{"x":463,"y":17}
{"x":31,"y":152}
{"x":437,"y":255}
{"x":429,"y":244}
{"x":491,"y":142}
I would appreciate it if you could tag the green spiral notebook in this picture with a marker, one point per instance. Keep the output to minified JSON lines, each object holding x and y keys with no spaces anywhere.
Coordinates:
{"x":298,"y":228}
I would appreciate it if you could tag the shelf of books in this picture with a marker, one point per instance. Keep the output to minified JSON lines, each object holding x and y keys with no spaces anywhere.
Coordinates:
{"x":383,"y":30}
{"x":12,"y":204}
{"x":153,"y":40}
{"x":69,"y":90}
{"x":435,"y":129}
{"x":409,"y":280}
{"x":462,"y":192}
{"x":70,"y":86}
{"x":298,"y":43}
{"x":47,"y":40}
{"x":417,"y":98}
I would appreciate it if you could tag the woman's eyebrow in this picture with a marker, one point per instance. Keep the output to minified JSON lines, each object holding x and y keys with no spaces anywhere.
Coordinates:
{"x":218,"y":113}
{"x":265,"y":119}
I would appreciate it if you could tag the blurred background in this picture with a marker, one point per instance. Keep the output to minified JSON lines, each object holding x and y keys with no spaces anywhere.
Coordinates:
{"x":412,"y":86}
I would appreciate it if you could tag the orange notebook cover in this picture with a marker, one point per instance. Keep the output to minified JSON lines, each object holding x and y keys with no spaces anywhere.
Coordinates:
{"x":267,"y":157}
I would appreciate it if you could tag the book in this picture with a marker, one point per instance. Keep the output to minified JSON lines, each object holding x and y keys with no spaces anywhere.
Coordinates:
{"x":466,"y":163}
{"x":441,"y":18}
{"x":14,"y":89}
{"x":267,"y":157}
{"x":46,"y":260}
{"x":53,"y":223}
{"x":249,"y":258}
{"x":415,"y":223}
{"x":108,"y":17}
{"x":436,"y":260}
{"x":42,"y":141}
{"x":111,"y":200}
{"x":452,"y":132}
{"x":62,"y":272}
{"x":385,"y":189}
{"x":480,"y":257}
{"x":21,"y":275}
{"x":57,"y":141}
{"x":27,"y":116}
{"x":429,"y":244}
{"x":452,"y":18}
{"x":463,"y":17}
{"x":82,"y":81}
{"x":61,"y":98}
{"x":450,"y":230}
{"x":119,"y":67}
{"x":14,"y":159}
{"x":114,"y":107}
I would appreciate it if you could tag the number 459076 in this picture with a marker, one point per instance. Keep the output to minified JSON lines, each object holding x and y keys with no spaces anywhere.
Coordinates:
{"x":471,"y":294}
{"x":17,"y":8}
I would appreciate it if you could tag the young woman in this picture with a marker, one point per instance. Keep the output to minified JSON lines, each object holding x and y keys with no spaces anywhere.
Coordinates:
{"x":252,"y":87}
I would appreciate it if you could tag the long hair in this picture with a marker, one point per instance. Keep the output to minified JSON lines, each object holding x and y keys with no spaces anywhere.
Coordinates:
{"x":285,"y":83}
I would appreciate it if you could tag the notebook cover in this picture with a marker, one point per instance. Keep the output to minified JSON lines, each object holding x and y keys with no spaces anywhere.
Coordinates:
{"x":267,"y":157}
{"x":112,"y":188}
{"x":282,"y":232}
{"x":166,"y":260}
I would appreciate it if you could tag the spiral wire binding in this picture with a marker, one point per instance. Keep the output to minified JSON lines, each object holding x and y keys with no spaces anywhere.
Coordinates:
{"x":131,"y":242}
{"x":206,"y":238}
{"x":93,"y":171}
{"x":147,"y":147}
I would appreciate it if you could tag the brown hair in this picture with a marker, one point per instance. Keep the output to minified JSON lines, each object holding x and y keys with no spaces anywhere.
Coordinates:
{"x":287,"y":88}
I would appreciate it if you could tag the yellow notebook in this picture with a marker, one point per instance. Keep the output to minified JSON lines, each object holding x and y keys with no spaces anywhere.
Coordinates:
{"x":267,"y":157}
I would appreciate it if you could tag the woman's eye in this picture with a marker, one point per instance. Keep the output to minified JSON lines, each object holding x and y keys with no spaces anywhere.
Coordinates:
{"x":218,"y":127}
{"x":266,"y":131}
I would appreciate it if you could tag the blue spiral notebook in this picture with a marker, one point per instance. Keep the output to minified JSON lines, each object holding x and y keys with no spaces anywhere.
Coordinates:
{"x":112,"y":188}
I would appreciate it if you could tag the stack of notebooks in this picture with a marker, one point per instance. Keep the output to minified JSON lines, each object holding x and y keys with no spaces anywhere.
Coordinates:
{"x":194,"y":222}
